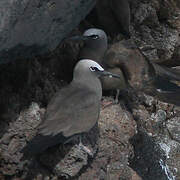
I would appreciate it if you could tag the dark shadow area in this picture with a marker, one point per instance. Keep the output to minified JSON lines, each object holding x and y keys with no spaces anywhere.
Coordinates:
{"x":21,"y":51}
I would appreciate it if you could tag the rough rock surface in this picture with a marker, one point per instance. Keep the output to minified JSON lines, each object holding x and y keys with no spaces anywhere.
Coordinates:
{"x":152,"y":126}
{"x":156,"y":29}
{"x":33,"y":27}
{"x":116,"y":126}
{"x":156,"y":145}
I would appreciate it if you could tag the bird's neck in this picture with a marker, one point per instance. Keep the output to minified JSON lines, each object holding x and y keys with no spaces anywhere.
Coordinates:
{"x":92,"y":84}
{"x":96,"y":55}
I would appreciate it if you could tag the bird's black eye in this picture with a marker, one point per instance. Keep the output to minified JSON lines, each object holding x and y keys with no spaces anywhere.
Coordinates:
{"x":93,"y":68}
{"x":94,"y":37}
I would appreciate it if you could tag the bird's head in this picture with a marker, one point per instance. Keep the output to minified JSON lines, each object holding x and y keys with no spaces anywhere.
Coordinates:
{"x":95,"y":44}
{"x":90,"y":68}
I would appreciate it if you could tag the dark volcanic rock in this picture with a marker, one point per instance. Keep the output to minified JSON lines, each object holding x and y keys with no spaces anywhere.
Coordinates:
{"x":33,"y":27}
{"x":147,"y":155}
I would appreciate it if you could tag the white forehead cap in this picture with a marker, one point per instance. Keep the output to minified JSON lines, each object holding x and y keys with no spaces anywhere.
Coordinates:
{"x":90,"y":63}
{"x":94,"y":31}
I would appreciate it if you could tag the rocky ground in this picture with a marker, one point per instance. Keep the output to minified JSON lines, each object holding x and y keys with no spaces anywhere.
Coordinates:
{"x":138,"y":138}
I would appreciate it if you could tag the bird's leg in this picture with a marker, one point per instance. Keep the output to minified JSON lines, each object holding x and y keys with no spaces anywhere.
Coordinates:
{"x":84,"y":148}
{"x":116,"y":101}
{"x":117,"y":96}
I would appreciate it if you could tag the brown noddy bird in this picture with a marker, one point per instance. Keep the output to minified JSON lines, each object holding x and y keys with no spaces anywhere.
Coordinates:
{"x":141,"y":74}
{"x":125,"y":59}
{"x":73,"y":110}
{"x":95,"y":45}
{"x":114,"y":16}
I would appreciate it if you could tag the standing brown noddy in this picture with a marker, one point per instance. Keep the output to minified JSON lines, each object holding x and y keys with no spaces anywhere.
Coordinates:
{"x":114,"y":16}
{"x":73,"y":110}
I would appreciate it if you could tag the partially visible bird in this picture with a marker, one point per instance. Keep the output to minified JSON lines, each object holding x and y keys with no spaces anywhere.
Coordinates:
{"x":73,"y":110}
{"x":114,"y":83}
{"x":114,"y":16}
{"x":95,"y":45}
{"x":141,"y":74}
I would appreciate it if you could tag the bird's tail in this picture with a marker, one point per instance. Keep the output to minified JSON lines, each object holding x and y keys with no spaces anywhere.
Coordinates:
{"x":167,"y":73}
{"x":166,"y":90}
{"x":40,"y":143}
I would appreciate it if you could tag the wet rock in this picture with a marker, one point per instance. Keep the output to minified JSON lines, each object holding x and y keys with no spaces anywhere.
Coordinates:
{"x":171,"y":152}
{"x":149,"y":161}
{"x":158,"y":139}
{"x":29,"y":28}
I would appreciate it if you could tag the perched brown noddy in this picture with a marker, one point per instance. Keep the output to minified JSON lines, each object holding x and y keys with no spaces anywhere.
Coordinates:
{"x":95,"y":46}
{"x":114,"y":16}
{"x":73,"y":110}
{"x":125,"y":59}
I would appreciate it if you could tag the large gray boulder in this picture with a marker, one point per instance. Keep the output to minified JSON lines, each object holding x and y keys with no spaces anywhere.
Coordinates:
{"x":33,"y":27}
